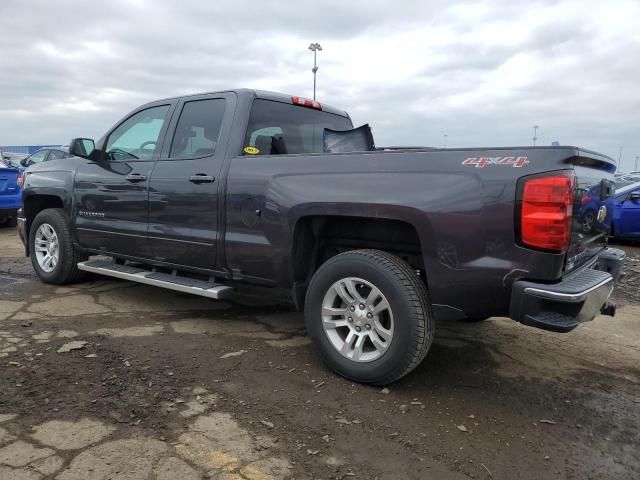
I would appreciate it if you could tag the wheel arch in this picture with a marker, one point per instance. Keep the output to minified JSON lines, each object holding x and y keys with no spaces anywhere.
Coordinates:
{"x":316,"y":237}
{"x":35,"y":203}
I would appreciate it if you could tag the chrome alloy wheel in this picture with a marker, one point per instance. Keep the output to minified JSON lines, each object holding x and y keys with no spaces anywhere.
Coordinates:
{"x":47,"y":248}
{"x":357,"y":319}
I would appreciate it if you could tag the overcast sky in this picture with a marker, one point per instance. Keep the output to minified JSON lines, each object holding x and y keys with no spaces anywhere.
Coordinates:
{"x":481,"y":72}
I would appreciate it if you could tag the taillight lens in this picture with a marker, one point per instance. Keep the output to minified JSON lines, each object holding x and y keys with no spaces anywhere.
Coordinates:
{"x":20,"y":179}
{"x":547,"y":211}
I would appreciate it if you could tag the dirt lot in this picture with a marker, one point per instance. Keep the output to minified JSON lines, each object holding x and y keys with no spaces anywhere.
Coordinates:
{"x":169,"y":386}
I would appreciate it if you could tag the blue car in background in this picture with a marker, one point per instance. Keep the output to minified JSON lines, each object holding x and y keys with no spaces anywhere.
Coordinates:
{"x":619,"y":215}
{"x":626,"y":208}
{"x":587,"y":208}
{"x":10,"y":194}
{"x":11,"y":180}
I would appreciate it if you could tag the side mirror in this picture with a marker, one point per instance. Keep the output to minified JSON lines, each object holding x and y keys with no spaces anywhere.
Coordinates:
{"x":634,"y":196}
{"x":81,"y":147}
{"x":23,"y":161}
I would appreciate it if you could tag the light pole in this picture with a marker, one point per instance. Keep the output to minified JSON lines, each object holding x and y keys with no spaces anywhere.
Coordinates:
{"x":314,"y":47}
{"x":535,"y":134}
{"x":637,"y":158}
{"x":620,"y":156}
{"x":445,"y":137}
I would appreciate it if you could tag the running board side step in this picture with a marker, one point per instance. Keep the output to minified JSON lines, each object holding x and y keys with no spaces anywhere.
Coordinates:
{"x":212,"y":290}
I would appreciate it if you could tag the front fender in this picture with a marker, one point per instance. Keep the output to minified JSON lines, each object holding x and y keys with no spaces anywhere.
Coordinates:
{"x":45,"y":189}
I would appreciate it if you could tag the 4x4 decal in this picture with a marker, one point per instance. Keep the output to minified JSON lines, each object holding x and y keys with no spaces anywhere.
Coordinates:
{"x":481,"y":162}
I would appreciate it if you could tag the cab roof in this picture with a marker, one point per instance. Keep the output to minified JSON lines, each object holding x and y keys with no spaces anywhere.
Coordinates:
{"x":262,"y":94}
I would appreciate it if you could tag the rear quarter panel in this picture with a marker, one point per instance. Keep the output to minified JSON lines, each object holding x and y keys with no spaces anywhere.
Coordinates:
{"x":464,"y":215}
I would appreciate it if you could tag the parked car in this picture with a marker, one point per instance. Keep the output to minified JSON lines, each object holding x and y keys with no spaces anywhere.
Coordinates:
{"x":627,"y":177}
{"x":194,"y":192}
{"x":12,"y":159}
{"x":44,"y":155}
{"x":10,"y":194}
{"x":626,"y":210}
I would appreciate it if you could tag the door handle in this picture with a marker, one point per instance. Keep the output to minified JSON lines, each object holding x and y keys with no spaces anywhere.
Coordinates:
{"x":136,"y":177}
{"x":201,"y":178}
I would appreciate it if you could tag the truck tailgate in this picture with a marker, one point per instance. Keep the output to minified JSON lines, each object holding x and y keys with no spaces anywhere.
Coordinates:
{"x":592,"y":207}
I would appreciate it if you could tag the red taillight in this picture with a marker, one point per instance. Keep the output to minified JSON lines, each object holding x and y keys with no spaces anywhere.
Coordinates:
{"x":20,"y":179}
{"x":547,"y":211}
{"x":305,"y":102}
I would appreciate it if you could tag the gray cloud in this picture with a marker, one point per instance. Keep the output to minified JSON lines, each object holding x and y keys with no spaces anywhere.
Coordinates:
{"x":482,"y":72}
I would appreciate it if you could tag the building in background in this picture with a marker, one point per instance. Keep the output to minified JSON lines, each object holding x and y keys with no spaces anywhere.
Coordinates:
{"x":24,"y":149}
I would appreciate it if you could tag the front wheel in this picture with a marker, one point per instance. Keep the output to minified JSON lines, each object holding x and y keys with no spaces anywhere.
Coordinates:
{"x":369,"y":316}
{"x":53,"y":254}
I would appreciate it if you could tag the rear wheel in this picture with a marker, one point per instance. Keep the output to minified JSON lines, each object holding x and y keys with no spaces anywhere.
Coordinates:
{"x":368,"y":314}
{"x":53,"y":254}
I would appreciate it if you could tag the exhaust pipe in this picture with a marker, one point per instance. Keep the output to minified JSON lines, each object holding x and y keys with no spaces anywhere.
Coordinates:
{"x":609,"y":308}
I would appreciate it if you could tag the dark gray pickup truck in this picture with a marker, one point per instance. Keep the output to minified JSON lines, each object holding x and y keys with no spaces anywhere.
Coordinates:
{"x":199,"y":192}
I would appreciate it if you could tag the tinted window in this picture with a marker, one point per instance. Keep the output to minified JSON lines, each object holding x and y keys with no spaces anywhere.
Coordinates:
{"x":137,"y":137}
{"x":279,"y":128}
{"x":267,"y":131}
{"x":198,"y":128}
{"x":37,"y":157}
{"x":57,"y":155}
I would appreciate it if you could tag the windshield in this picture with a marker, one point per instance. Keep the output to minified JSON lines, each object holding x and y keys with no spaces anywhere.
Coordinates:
{"x":279,"y":128}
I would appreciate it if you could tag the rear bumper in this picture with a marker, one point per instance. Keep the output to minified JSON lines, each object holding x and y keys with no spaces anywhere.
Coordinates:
{"x":579,"y":297}
{"x":11,"y":201}
{"x":8,"y":212}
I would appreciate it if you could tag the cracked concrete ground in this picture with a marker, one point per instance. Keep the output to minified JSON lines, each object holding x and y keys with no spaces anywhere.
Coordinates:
{"x":169,"y":386}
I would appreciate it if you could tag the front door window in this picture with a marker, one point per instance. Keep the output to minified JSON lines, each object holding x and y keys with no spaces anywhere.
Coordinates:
{"x":137,"y":137}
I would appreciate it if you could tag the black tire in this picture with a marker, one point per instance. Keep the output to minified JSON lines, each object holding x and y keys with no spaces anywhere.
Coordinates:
{"x":11,"y":222}
{"x":409,"y":301}
{"x":66,"y":270}
{"x":588,"y":220}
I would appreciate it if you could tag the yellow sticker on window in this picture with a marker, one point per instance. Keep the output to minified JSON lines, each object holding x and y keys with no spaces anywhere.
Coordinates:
{"x":251,"y":150}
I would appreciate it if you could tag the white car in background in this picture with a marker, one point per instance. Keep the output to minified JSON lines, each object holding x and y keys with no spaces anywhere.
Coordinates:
{"x":628,"y":177}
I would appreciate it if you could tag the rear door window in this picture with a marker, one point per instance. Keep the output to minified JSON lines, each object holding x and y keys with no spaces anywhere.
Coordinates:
{"x":198,"y":129}
{"x":277,"y":128}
